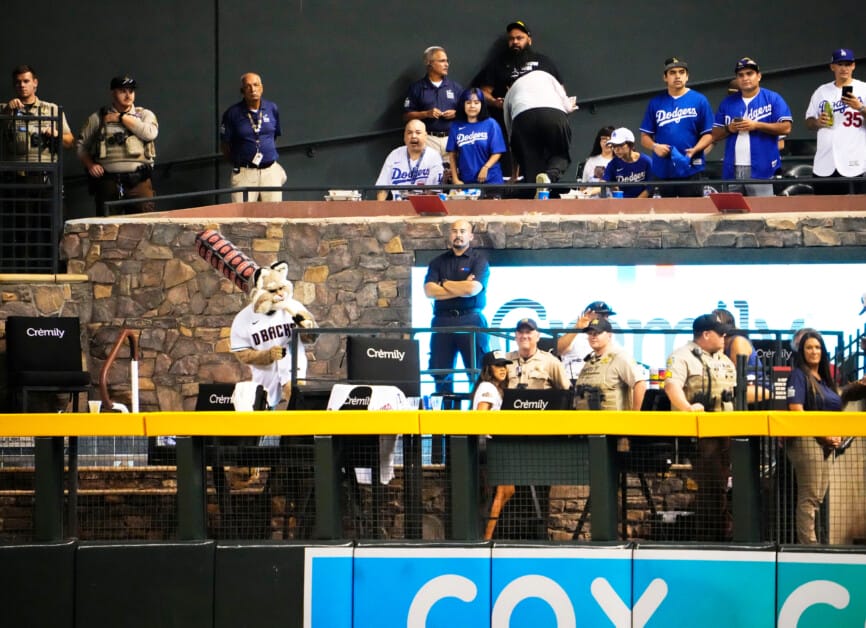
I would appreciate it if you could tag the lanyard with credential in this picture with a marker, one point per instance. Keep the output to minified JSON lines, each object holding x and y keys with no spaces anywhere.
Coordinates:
{"x":413,"y":172}
{"x":256,"y":126}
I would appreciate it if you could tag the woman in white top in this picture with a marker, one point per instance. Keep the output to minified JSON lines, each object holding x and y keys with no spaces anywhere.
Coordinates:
{"x":488,"y":396}
{"x":490,"y":386}
{"x":599,"y":156}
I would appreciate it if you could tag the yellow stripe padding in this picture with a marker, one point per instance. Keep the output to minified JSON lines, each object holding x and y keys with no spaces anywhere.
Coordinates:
{"x":295,"y":423}
{"x":512,"y":422}
{"x":70,"y":424}
{"x":554,"y":422}
{"x":817,"y":424}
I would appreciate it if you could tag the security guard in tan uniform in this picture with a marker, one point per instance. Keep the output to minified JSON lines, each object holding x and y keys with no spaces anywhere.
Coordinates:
{"x":608,"y":379}
{"x":700,"y":377}
{"x":116,"y":146}
{"x":32,"y":134}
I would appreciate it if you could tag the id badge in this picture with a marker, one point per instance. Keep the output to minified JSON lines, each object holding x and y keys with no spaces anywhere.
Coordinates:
{"x":257,"y":159}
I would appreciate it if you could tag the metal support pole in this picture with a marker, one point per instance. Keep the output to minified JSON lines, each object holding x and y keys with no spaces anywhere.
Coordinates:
{"x":463,"y":488}
{"x":603,"y":487}
{"x":745,"y":464}
{"x":191,"y":489}
{"x":329,"y":524}
{"x":48,"y":510}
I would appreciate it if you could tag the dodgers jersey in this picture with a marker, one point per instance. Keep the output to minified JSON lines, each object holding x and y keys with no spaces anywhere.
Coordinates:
{"x":841,"y":147}
{"x":624,"y":172}
{"x":399,"y":169}
{"x":251,"y":330}
{"x":679,"y":122}
{"x":474,"y":143}
{"x":767,"y":106}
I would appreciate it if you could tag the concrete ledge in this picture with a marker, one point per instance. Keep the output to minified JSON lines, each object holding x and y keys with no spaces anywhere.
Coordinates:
{"x":19,"y":278}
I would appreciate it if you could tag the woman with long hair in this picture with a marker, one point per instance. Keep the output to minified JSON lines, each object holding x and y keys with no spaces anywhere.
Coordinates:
{"x":599,"y":156}
{"x":475,"y":142}
{"x":487,"y":395}
{"x":811,"y":388}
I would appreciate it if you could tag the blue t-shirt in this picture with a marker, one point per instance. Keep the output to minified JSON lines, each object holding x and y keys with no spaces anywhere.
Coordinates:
{"x":766,"y":106}
{"x":424,"y":95}
{"x":474,"y":143}
{"x":678,"y":122}
{"x":625,"y":172}
{"x":798,"y":392}
{"x":238,"y":131}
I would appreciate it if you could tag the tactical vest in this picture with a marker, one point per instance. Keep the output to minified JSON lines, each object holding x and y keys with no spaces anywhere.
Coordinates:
{"x":716,"y":376}
{"x":116,"y":143}
{"x":24,"y":137}
{"x":594,"y":374}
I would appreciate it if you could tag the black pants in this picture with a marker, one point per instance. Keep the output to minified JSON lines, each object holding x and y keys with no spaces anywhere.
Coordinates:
{"x":445,"y":346}
{"x":540,"y":141}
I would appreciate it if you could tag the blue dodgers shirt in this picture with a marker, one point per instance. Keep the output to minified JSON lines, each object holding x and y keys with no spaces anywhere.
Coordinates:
{"x":625,"y":172}
{"x":475,"y":142}
{"x":679,"y":122}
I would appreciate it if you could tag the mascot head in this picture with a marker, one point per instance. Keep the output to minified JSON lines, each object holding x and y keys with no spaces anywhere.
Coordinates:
{"x":272,"y":288}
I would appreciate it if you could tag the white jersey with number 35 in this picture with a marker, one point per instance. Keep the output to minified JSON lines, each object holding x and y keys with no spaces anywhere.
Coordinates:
{"x":841,"y":147}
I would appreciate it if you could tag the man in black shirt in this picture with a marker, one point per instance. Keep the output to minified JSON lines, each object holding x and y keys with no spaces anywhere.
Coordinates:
{"x":457,"y":282}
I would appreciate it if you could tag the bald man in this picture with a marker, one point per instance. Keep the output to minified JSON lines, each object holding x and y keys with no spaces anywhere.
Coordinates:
{"x":414,"y":163}
{"x":248,"y":135}
{"x":457,"y":283}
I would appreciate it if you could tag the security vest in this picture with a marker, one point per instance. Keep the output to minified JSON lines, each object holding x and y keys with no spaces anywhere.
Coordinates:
{"x":712,"y":374}
{"x":114,"y":142}
{"x":595,"y":373}
{"x":29,"y":133}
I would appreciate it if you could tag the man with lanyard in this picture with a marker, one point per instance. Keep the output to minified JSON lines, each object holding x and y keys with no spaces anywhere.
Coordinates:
{"x":248,"y":134}
{"x":414,"y":163}
{"x":700,"y":377}
{"x":116,"y":146}
{"x":752,"y":119}
{"x":457,"y":283}
{"x":433,"y":99}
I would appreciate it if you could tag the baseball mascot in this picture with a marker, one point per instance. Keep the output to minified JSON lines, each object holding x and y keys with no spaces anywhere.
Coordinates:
{"x":262,"y":332}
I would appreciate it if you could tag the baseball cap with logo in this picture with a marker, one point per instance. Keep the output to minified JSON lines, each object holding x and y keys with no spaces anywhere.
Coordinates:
{"x":600,"y":307}
{"x":119,"y":82}
{"x":494,"y":358}
{"x":675,"y":62}
{"x":746,"y":62}
{"x":525,"y":323}
{"x":620,"y":136}
{"x":843,"y":54}
{"x":599,"y":325}
{"x":520,"y":25}
{"x":708,"y":322}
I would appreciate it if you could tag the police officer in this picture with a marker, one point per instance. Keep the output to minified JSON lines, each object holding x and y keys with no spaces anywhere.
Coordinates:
{"x":700,"y":377}
{"x":116,"y":146}
{"x":608,"y":379}
{"x":573,"y":346}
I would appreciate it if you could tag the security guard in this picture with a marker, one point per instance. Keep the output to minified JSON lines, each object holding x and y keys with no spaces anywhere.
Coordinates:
{"x":116,"y":146}
{"x":700,"y":377}
{"x":608,"y":380}
{"x":32,"y":134}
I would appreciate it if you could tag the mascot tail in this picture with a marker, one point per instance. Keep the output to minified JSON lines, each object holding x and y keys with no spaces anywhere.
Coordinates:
{"x":226,"y":258}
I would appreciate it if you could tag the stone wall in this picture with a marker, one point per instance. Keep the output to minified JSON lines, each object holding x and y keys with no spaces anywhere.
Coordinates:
{"x":145,"y":273}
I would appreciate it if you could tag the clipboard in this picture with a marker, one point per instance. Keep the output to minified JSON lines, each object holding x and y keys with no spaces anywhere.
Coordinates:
{"x":428,"y":205}
{"x":730,"y":202}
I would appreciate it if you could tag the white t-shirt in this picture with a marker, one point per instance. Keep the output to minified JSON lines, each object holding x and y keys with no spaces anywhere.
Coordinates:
{"x":592,"y":163}
{"x":400,"y":169}
{"x":841,"y":147}
{"x":251,"y":330}
{"x":487,"y":392}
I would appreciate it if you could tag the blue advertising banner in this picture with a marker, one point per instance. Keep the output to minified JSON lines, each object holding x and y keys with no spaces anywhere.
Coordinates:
{"x":818,"y":590}
{"x":328,"y":587}
{"x":704,"y":587}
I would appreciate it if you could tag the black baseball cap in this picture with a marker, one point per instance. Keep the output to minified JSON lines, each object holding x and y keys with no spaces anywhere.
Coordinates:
{"x":495,"y":358}
{"x":708,"y":322}
{"x":527,"y":322}
{"x":600,"y":307}
{"x":746,"y":62}
{"x":675,"y":62}
{"x":520,"y":25}
{"x":599,"y":325}
{"x":119,"y":82}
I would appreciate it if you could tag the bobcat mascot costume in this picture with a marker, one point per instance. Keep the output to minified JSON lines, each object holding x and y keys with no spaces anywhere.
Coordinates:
{"x":262,"y":332}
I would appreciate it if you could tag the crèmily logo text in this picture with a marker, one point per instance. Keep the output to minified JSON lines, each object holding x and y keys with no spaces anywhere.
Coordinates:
{"x":385,"y":354}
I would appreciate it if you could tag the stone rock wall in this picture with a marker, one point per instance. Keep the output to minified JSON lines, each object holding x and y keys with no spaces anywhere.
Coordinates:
{"x":145,"y":273}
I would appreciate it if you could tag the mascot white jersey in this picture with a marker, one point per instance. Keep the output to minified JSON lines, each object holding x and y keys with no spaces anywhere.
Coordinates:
{"x":261,"y":335}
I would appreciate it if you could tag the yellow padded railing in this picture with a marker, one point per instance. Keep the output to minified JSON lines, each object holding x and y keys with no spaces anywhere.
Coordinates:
{"x":507,"y":422}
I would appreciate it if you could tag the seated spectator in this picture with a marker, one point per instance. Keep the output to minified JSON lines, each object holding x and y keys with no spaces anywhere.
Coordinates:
{"x":412,"y":164}
{"x":475,"y":142}
{"x":599,"y":157}
{"x":628,"y":165}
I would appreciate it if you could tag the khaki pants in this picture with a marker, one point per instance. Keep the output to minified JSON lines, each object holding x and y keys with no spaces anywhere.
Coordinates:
{"x":273,"y":175}
{"x":813,"y":479}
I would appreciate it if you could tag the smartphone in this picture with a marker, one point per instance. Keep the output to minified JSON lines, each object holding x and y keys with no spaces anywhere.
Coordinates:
{"x":847,"y":90}
{"x":738,"y":119}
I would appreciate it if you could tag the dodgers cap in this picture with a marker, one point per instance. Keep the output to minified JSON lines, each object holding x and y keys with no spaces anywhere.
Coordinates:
{"x":843,"y":54}
{"x":620,"y":136}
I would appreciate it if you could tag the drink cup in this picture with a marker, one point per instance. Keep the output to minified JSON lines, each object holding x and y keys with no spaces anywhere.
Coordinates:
{"x":617,"y":194}
{"x":543,"y":195}
{"x":94,"y":406}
